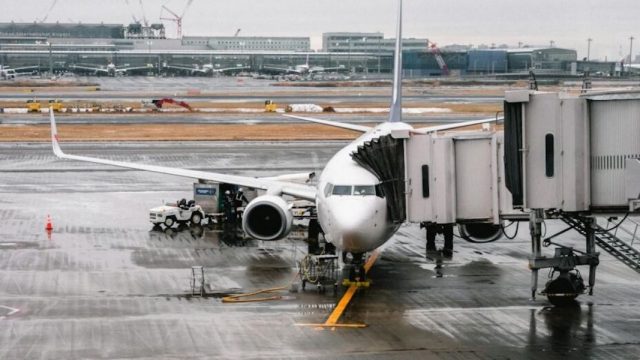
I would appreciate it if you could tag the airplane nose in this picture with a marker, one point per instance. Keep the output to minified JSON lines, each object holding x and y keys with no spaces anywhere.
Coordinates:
{"x":353,"y":226}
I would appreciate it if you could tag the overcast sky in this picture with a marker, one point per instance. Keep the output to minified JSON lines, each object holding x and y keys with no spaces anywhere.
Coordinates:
{"x":568,"y":22}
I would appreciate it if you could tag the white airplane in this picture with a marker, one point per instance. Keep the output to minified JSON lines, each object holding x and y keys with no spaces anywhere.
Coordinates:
{"x":207,"y":69}
{"x":352,"y":211}
{"x":12,"y":73}
{"x":111,"y":69}
{"x":304,"y":69}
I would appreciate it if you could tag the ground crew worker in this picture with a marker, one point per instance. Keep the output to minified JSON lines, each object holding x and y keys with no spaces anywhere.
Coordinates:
{"x":228,"y":202}
{"x":239,"y":202}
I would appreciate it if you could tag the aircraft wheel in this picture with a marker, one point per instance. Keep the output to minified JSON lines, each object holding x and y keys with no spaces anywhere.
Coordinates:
{"x":362,"y":274}
{"x":352,"y":273}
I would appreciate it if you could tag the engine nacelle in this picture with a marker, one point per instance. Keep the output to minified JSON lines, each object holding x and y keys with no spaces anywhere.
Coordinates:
{"x":267,"y":218}
{"x":480,"y":232}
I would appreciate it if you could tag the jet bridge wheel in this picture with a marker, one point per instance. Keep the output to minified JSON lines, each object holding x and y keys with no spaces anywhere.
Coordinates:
{"x":564,"y":289}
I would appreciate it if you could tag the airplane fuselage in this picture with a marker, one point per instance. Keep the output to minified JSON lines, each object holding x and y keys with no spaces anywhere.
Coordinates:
{"x":351,"y":210}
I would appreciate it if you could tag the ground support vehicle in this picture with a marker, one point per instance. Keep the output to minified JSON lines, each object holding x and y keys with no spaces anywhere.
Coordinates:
{"x":319,"y":270}
{"x":178,"y":213}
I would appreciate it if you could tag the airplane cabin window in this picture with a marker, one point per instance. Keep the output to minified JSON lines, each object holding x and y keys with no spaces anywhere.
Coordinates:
{"x":342,"y":190}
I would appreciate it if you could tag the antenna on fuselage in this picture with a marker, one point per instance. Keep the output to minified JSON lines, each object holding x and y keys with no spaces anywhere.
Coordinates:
{"x":395,"y":112}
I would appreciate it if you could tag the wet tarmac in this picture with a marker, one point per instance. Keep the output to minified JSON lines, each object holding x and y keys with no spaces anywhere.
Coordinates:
{"x":107,"y":285}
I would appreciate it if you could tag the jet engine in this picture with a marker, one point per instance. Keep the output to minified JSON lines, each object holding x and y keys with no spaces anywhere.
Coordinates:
{"x":480,"y":232}
{"x":267,"y":218}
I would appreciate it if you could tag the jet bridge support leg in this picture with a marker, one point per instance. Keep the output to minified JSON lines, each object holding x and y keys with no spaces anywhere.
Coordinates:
{"x":536,"y":218}
{"x":446,"y":230}
{"x":565,"y":283}
{"x":590,"y":224}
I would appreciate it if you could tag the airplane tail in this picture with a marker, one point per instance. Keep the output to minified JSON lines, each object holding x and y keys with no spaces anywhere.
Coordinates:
{"x":395,"y":112}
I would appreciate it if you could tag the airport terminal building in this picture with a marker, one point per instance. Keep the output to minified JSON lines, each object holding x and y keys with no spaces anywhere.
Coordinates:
{"x":60,"y":47}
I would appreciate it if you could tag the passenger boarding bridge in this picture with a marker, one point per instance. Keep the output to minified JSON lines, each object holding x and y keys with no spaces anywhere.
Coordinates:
{"x":560,"y":156}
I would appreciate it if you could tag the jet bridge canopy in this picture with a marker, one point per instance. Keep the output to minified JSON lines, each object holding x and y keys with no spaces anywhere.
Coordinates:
{"x":384,"y":157}
{"x":577,"y":153}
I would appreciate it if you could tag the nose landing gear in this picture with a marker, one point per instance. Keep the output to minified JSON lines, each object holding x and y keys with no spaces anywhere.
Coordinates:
{"x":354,"y":264}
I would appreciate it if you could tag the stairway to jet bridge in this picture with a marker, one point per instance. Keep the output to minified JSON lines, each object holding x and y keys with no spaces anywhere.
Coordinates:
{"x":607,"y":242}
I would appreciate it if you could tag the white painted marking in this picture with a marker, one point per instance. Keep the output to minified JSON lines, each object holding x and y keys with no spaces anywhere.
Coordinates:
{"x":11,"y":311}
{"x":457,"y":310}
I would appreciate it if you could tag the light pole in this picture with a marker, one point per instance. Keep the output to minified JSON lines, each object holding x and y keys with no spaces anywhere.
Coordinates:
{"x":379,"y":56}
{"x":589,"y":40}
{"x":349,"y":55}
{"x":50,"y":59}
{"x":365,"y":60}
{"x":631,"y":49}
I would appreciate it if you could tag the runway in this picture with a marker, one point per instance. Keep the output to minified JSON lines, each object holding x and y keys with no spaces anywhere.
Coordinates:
{"x":105,"y":285}
{"x":234,"y":89}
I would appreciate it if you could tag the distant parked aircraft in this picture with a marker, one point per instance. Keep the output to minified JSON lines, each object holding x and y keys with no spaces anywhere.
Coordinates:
{"x":11,"y":73}
{"x":303,"y":69}
{"x":111,"y":69}
{"x":207,"y":69}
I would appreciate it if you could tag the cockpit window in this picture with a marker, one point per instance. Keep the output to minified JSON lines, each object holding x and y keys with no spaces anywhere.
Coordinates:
{"x":327,"y":189}
{"x":364,"y":190}
{"x":342,"y":190}
{"x":355,"y":190}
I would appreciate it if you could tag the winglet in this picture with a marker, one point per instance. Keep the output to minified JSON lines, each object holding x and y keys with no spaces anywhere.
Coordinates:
{"x":54,"y":135}
{"x":395,"y":112}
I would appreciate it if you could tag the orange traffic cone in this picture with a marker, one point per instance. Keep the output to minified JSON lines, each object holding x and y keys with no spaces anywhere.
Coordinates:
{"x":49,"y":225}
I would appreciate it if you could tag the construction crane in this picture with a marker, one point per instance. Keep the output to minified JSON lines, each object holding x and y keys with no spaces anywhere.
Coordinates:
{"x":46,"y":16}
{"x":144,"y":17}
{"x":133,"y":16}
{"x":433,"y":47}
{"x":237,"y":33}
{"x":176,"y":18}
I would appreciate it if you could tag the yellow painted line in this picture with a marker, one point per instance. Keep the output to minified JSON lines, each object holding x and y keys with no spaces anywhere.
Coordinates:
{"x":322,"y":326}
{"x":346,"y":298}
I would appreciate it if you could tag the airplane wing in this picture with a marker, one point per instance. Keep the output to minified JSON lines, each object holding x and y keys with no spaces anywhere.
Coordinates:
{"x":297,"y":190}
{"x":282,"y":70}
{"x":340,"y":68}
{"x":25,"y":68}
{"x":178,"y":67}
{"x":299,"y":178}
{"x":431,"y":129}
{"x":134,"y":68}
{"x":354,"y":127}
{"x":220,"y":70}
{"x":88,"y":68}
